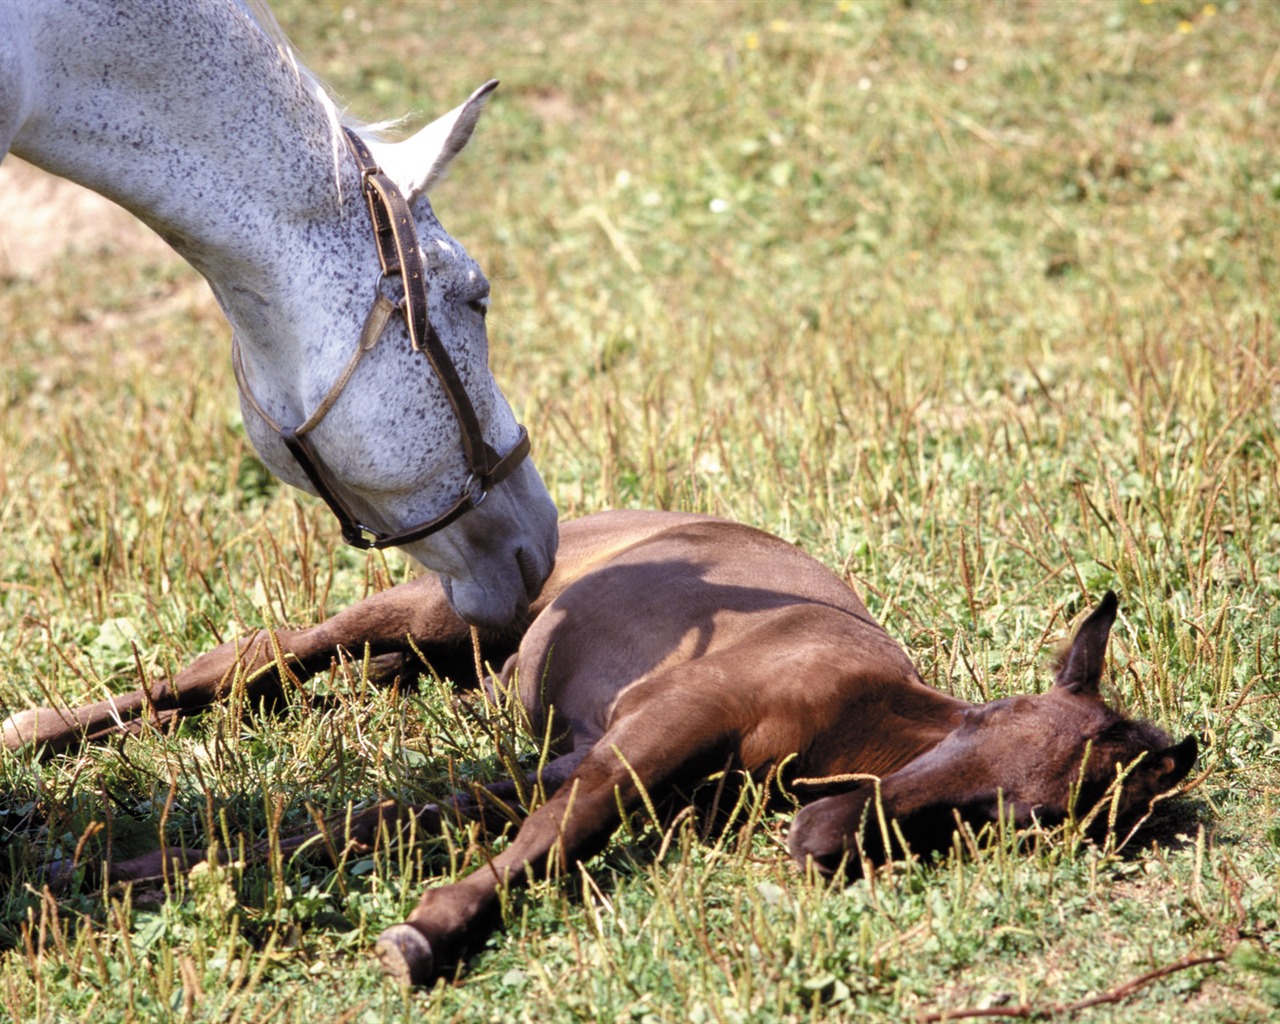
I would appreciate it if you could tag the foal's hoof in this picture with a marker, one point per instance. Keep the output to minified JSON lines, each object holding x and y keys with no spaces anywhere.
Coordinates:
{"x":405,"y":954}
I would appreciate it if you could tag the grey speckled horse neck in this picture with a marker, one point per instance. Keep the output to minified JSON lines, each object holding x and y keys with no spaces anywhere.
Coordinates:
{"x":194,"y":116}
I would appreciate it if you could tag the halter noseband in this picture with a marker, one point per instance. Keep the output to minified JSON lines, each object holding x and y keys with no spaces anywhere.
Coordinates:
{"x":399,"y":255}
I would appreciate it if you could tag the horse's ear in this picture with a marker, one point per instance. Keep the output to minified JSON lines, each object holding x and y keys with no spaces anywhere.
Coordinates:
{"x":1081,"y":670}
{"x":420,"y":161}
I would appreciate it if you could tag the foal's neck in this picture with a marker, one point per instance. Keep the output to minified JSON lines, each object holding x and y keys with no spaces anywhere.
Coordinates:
{"x":860,"y":743}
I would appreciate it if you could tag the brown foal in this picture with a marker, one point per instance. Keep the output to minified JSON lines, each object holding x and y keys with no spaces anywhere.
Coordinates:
{"x":665,"y":646}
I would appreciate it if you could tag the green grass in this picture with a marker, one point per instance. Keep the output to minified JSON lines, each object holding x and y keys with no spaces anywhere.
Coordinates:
{"x":975,"y":302}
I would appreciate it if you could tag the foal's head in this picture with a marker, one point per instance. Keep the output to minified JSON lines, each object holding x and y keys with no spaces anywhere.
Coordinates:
{"x":1037,"y":757}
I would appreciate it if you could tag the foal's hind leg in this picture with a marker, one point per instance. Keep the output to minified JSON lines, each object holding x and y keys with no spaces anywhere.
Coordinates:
{"x":384,"y":622}
{"x":670,"y":730}
{"x":494,"y":806}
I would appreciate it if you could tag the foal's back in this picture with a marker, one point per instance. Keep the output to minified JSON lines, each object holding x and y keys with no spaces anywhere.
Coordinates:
{"x":639,"y":595}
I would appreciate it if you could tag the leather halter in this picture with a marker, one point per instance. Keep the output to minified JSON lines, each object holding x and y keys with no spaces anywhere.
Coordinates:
{"x":399,"y":255}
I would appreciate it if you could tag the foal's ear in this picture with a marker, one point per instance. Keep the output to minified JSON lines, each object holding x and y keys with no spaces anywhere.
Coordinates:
{"x":1174,"y":763}
{"x":420,"y":161}
{"x":1081,"y":670}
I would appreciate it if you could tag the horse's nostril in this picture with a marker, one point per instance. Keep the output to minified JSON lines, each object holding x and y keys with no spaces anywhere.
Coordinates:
{"x":530,"y":572}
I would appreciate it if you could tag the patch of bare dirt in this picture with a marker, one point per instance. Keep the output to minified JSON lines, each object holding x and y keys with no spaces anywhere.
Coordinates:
{"x":42,"y":218}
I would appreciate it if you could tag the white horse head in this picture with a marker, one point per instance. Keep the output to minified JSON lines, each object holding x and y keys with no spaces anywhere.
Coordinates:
{"x":195,"y":117}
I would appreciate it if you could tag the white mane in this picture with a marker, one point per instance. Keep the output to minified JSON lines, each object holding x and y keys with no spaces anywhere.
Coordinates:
{"x":262,"y":15}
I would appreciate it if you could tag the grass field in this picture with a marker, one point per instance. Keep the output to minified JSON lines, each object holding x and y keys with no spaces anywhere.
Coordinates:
{"x":975,"y":302}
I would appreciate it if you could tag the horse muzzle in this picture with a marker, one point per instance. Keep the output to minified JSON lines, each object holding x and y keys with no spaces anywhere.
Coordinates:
{"x":494,"y":560}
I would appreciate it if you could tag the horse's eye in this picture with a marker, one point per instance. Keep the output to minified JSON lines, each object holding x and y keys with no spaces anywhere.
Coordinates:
{"x":480,"y":305}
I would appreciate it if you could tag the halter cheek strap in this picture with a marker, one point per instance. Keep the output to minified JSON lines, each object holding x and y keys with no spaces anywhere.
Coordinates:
{"x":399,"y":256}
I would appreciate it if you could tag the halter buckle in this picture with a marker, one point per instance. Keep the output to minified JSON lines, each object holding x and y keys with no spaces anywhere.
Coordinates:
{"x":358,"y":536}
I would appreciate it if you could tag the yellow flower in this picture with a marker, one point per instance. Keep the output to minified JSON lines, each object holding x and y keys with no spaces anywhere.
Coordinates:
{"x":778,"y":25}
{"x":1209,"y":10}
{"x":844,"y":6}
{"x":752,"y":41}
{"x":1185,"y":26}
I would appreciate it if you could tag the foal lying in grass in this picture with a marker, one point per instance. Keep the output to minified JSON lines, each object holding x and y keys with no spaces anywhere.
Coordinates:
{"x":665,"y":646}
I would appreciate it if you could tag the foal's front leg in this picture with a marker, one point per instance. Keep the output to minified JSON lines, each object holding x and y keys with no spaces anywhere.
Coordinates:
{"x":384,"y":622}
{"x":672,"y":726}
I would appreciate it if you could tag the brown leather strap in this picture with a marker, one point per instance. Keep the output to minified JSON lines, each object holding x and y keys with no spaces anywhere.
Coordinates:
{"x":374,"y":324}
{"x":360,"y":536}
{"x":398,"y":255}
